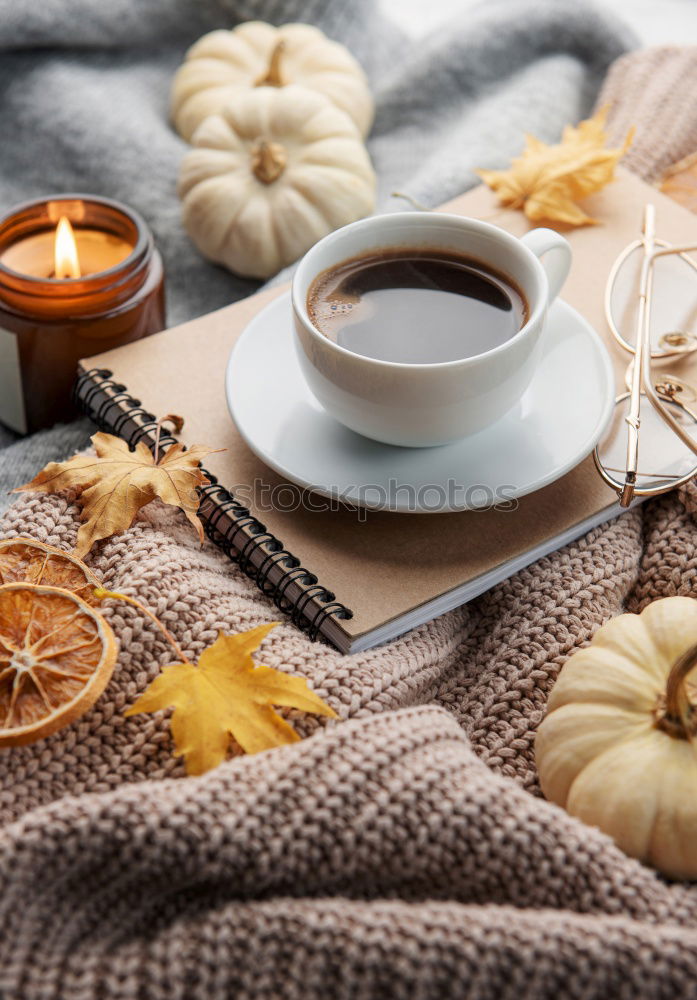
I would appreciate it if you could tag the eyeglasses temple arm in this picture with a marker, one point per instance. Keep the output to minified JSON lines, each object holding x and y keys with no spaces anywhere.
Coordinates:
{"x":649,"y":388}
{"x":643,"y":353}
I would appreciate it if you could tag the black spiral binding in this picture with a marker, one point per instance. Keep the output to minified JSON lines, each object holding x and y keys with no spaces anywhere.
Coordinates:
{"x":117,"y":409}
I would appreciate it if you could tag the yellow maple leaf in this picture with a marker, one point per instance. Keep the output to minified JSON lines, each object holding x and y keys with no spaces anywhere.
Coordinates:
{"x":545,"y":181}
{"x":116,"y":483}
{"x":226,"y":695}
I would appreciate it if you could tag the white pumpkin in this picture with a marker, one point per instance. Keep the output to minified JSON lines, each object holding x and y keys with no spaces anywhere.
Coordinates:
{"x":271,"y":175}
{"x":257,"y":54}
{"x":618,"y":748}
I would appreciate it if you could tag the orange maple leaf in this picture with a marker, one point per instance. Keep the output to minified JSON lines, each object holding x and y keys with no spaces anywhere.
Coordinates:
{"x":546,"y":181}
{"x":228,"y":695}
{"x":115,"y":483}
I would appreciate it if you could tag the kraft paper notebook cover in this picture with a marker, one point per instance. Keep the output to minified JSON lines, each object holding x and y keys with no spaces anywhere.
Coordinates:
{"x":362,"y":582}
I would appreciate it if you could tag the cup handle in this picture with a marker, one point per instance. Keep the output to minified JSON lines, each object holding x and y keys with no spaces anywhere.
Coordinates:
{"x":557,"y":261}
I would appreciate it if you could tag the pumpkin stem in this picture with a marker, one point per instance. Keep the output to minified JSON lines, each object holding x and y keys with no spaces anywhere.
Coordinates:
{"x":272,"y":76}
{"x":675,"y":713}
{"x":268,"y":161}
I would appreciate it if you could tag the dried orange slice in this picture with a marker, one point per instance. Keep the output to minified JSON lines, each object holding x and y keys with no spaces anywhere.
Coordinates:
{"x":57,"y":654}
{"x":24,"y":560}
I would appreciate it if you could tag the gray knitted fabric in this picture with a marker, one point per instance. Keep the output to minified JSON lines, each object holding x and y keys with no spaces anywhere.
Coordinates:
{"x":85,"y":85}
{"x":405,"y":851}
{"x":84,"y":90}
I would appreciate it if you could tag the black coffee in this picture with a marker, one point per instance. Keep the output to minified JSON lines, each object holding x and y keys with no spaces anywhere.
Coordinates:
{"x":416,"y":306}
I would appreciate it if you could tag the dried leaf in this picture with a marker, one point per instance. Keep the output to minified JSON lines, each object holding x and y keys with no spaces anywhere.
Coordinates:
{"x":545,"y":181}
{"x":116,"y":483}
{"x":680,"y":182}
{"x":226,"y":695}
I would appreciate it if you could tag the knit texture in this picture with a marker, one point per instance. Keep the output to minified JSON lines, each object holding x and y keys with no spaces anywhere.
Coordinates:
{"x":86,"y":86}
{"x":403,"y":852}
{"x":85,"y":95}
{"x":653,"y":91}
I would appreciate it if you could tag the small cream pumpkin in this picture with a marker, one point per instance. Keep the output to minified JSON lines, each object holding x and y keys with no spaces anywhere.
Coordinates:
{"x":257,"y":54}
{"x":272,"y":174}
{"x":617,"y":747}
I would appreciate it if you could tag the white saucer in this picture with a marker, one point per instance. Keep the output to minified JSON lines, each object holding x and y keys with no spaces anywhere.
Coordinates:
{"x":556,"y":424}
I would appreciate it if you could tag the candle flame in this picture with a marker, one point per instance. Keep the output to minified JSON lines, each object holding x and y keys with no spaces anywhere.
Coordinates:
{"x":66,"y":261}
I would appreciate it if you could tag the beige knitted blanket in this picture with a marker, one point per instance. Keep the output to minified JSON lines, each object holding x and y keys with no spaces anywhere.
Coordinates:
{"x":404,"y":852}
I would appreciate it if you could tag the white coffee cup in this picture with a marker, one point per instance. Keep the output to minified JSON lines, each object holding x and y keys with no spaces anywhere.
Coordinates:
{"x":429,"y":404}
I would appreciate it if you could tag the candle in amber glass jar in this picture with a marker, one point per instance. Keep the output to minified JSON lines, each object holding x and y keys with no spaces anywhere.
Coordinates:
{"x":79,"y":275}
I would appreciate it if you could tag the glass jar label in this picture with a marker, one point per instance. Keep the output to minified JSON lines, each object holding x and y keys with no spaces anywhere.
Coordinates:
{"x":12,"y":410}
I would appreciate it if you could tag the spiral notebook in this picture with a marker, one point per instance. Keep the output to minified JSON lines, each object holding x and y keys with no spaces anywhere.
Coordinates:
{"x":361,"y":580}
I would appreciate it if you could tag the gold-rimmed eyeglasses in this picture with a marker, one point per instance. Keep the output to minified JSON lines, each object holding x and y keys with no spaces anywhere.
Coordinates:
{"x":651,"y":294}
